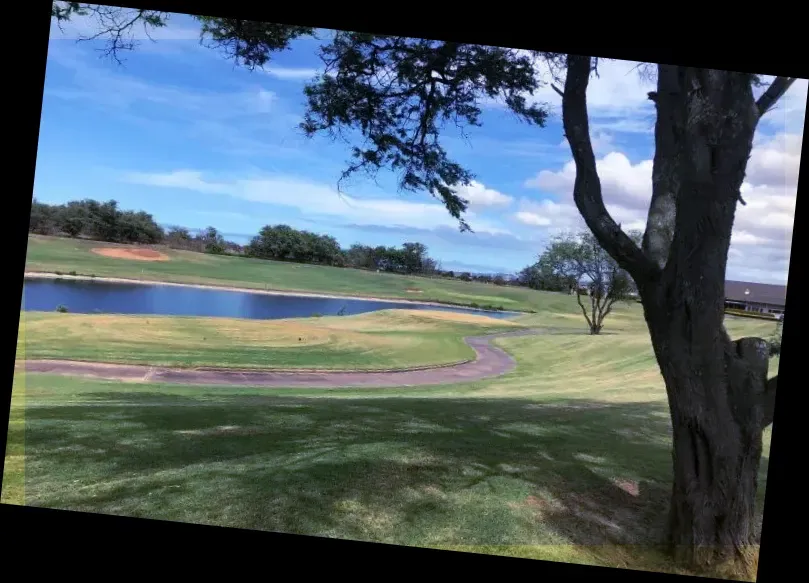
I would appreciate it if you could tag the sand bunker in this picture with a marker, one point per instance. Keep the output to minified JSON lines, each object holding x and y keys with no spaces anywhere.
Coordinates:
{"x":414,"y":290}
{"x":134,"y":253}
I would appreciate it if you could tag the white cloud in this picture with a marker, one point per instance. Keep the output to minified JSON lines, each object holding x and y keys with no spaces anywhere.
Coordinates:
{"x":480,"y":196}
{"x":622,"y":183}
{"x":776,"y":162}
{"x":762,"y":234}
{"x":315,"y":199}
{"x":292,"y":74}
{"x":532,"y":218}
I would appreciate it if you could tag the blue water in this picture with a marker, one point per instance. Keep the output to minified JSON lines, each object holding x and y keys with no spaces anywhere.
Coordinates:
{"x":116,"y":298}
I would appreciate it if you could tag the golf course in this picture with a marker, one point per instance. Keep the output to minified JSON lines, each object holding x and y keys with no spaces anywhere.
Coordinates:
{"x":77,"y":257}
{"x":563,"y":455}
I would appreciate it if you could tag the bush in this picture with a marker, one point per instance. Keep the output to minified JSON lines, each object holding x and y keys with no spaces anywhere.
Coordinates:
{"x":62,"y":309}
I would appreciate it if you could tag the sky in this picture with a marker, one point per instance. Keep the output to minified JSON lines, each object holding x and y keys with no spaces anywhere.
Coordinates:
{"x":183,"y":133}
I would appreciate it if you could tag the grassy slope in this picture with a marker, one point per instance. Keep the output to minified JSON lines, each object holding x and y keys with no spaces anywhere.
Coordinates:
{"x":378,"y":340}
{"x":535,"y":464}
{"x":50,"y":254}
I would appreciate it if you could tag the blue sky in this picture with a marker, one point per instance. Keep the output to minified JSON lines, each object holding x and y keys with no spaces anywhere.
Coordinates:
{"x":186,"y":135}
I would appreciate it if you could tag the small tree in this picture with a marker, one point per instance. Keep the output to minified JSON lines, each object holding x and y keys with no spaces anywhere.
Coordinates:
{"x":578,"y":262}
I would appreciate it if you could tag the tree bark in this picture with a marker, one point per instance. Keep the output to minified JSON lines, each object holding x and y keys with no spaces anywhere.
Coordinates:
{"x":714,"y":385}
{"x":717,"y":389}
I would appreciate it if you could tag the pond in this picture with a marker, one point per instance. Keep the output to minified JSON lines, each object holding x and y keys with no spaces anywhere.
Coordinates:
{"x":88,"y":297}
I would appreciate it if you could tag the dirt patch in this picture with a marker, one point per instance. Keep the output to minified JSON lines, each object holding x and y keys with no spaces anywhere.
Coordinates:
{"x":133,"y":254}
{"x":414,"y":290}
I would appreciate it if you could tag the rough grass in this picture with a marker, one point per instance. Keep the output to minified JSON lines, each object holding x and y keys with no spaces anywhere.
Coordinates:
{"x":567,"y":458}
{"x":51,"y":254}
{"x":379,"y":340}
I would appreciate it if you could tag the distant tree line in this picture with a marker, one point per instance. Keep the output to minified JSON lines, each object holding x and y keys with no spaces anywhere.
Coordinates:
{"x":105,"y":221}
{"x":102,"y":221}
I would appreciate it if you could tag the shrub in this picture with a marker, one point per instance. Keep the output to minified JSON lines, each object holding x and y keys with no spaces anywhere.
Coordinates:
{"x":61,"y":308}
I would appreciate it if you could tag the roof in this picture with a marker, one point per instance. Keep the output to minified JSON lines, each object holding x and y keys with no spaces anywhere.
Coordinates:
{"x":762,"y":293}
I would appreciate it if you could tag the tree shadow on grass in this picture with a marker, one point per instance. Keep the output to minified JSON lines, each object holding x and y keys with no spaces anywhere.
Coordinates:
{"x":426,"y":471}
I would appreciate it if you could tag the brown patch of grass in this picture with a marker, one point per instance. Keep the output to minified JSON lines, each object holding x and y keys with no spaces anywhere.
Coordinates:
{"x":136,"y":253}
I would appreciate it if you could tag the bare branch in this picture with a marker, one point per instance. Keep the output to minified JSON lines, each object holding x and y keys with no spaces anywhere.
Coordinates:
{"x":559,"y":91}
{"x":116,"y":25}
{"x":587,"y":189}
{"x":774,"y":92}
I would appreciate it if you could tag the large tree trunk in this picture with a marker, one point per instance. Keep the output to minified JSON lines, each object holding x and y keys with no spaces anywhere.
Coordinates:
{"x":714,"y":385}
{"x":719,"y":396}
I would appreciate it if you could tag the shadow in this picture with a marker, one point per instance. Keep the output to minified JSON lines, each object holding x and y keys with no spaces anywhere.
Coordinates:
{"x":415,"y":471}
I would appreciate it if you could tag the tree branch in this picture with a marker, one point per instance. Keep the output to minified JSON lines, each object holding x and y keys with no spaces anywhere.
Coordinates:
{"x":587,"y":189}
{"x":750,"y":390}
{"x":583,"y":309}
{"x":669,"y":129}
{"x":774,"y":92}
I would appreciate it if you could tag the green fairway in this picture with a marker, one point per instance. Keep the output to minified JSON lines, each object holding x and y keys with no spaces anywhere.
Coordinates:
{"x":50,"y":254}
{"x":565,"y":458}
{"x":387,"y":339}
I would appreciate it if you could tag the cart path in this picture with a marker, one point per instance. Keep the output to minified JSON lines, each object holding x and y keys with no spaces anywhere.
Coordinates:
{"x":490,"y":361}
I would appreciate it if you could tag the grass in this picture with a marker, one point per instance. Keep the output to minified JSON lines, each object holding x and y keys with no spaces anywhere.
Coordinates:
{"x":58,"y":255}
{"x":566,"y":458}
{"x":378,"y":340}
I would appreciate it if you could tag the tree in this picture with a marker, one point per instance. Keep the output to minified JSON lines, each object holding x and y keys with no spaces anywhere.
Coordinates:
{"x":414,"y":257}
{"x":398,"y":93}
{"x":214,"y":242}
{"x":43,"y":218}
{"x":360,"y":257}
{"x":578,"y":262}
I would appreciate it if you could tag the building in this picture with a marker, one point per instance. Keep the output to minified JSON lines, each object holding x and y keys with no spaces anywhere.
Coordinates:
{"x":763,"y":298}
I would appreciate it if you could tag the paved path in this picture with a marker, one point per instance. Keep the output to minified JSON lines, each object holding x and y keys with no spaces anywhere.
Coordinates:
{"x":490,"y":361}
